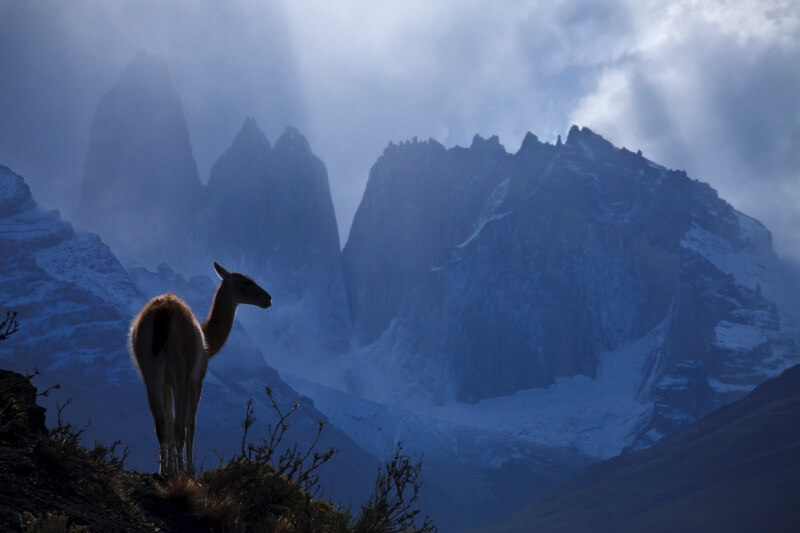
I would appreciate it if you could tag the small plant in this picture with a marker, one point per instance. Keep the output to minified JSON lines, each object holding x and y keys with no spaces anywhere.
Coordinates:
{"x":63,"y":445}
{"x":298,"y":466}
{"x":391,"y":508}
{"x":270,"y":486}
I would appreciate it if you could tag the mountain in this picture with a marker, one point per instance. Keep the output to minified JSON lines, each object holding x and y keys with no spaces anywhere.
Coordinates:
{"x":75,"y":302}
{"x":270,"y":214}
{"x":140,"y":186}
{"x":578,"y":294}
{"x":736,"y":469}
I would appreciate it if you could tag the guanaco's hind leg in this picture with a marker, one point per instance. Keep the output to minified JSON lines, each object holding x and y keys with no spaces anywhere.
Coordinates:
{"x":155,"y":397}
{"x":179,"y":363}
{"x":170,"y":425}
{"x":180,"y":428}
{"x":191,"y":414}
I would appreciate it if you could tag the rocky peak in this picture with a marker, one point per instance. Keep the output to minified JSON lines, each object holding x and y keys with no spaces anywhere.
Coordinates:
{"x":140,"y":187}
{"x":292,"y":141}
{"x":529,"y":142}
{"x":146,"y":72}
{"x":588,"y":141}
{"x":486,"y":146}
{"x":532,"y":150}
{"x":250,"y":136}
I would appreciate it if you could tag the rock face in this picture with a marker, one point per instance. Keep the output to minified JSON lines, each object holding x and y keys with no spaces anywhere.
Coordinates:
{"x":75,"y":302}
{"x":270,"y":215}
{"x":420,"y":199}
{"x":562,"y":261}
{"x":140,"y":186}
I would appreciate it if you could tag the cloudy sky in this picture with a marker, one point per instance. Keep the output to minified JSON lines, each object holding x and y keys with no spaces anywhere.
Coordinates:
{"x":710,"y":87}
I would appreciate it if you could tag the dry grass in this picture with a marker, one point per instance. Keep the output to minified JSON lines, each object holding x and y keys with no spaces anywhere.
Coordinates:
{"x":191,"y":496}
{"x":49,"y":523}
{"x":185,"y":493}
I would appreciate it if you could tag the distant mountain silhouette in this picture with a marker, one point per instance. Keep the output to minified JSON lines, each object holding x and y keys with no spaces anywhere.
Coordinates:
{"x":140,"y":187}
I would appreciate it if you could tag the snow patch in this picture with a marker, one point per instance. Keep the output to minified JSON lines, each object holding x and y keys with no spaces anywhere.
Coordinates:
{"x":597,"y":417}
{"x":738,"y":337}
{"x":719,"y":386}
{"x":487,"y":213}
{"x":747,"y":268}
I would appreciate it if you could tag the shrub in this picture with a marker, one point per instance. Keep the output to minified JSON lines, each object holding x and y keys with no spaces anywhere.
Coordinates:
{"x":269,"y":487}
{"x":391,"y":508}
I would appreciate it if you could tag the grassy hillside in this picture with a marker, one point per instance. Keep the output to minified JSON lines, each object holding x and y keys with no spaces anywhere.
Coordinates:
{"x":50,"y":482}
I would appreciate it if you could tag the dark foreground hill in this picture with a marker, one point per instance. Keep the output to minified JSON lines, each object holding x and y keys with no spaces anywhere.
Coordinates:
{"x":737,"y":469}
{"x":50,"y":482}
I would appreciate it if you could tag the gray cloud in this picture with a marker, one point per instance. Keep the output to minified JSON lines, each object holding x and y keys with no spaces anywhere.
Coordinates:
{"x":710,"y":87}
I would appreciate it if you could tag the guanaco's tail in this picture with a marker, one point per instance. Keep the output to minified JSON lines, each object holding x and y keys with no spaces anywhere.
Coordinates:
{"x":161,"y":319}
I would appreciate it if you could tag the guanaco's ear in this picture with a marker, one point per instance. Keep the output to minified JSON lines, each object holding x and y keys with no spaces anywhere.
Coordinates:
{"x":221,"y":272}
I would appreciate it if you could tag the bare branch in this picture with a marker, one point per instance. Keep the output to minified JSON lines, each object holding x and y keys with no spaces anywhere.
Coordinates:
{"x":298,"y":466}
{"x":391,"y":508}
{"x":49,"y":389}
{"x":9,"y":325}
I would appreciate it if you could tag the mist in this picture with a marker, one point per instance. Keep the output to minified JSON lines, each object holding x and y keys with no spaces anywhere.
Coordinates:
{"x":708,"y":87}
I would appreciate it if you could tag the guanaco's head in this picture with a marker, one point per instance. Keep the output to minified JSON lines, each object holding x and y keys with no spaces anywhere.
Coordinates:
{"x":245,"y":290}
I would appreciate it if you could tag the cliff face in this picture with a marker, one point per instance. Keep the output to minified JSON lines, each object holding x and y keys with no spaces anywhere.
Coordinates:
{"x":420,"y":200}
{"x":270,"y":214}
{"x":568,"y":260}
{"x":140,"y":185}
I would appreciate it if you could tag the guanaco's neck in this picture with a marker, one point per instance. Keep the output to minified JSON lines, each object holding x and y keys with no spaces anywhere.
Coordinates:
{"x":218,"y":325}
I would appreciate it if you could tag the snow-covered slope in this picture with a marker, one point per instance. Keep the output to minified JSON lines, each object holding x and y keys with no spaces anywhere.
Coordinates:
{"x":66,"y":286}
{"x":470,"y":475}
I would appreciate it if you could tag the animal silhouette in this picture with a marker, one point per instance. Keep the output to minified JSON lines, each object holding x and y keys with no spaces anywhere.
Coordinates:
{"x":171,"y":350}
